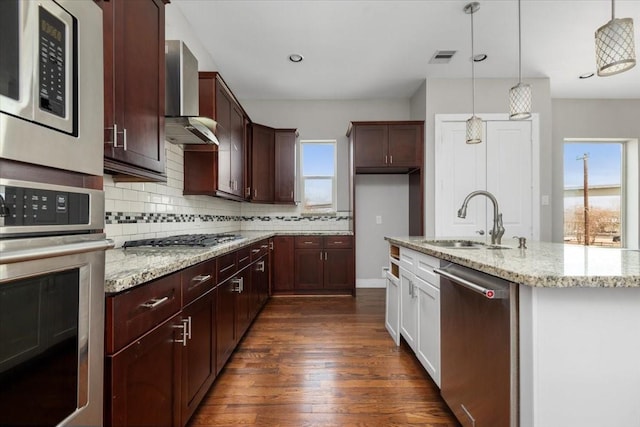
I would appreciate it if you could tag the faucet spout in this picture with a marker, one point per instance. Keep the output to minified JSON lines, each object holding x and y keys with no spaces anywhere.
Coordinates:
{"x":498,"y":229}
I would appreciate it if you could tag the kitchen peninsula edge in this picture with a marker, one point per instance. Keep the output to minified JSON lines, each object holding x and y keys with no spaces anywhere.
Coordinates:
{"x":578,"y":318}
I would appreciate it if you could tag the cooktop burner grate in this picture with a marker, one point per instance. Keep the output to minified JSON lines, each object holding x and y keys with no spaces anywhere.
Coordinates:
{"x":202,"y":240}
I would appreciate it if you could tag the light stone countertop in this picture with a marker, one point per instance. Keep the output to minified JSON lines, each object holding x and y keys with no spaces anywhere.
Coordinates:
{"x":126,"y":268}
{"x":542,"y":264}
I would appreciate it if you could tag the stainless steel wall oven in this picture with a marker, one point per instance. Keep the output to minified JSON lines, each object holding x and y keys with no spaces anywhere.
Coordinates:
{"x":51,"y":304}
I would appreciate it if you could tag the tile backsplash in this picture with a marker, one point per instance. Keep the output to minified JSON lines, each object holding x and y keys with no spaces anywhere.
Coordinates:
{"x":145,"y":210}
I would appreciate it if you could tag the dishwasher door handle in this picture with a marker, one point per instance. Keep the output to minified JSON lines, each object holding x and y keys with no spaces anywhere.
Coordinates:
{"x":487,"y":293}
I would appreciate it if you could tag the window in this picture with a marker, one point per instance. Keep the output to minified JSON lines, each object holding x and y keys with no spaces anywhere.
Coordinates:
{"x":594,"y":216}
{"x":318,"y":174}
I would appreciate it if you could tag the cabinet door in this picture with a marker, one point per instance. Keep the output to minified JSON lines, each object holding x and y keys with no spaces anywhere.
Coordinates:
{"x":392,"y":308}
{"x":198,"y":357}
{"x":134,"y":83}
{"x":237,"y":151}
{"x":283,"y":262}
{"x":144,"y":379}
{"x":244,"y":298}
{"x":285,"y":166}
{"x":370,"y":145}
{"x":308,"y":269}
{"x":338,"y":269}
{"x":223,"y":132}
{"x":428,"y":337}
{"x":262,"y":164}
{"x":225,"y":322}
{"x":405,"y":145}
{"x":408,"y":315}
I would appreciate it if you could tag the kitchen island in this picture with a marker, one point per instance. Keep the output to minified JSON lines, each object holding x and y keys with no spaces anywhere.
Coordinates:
{"x":578,"y":327}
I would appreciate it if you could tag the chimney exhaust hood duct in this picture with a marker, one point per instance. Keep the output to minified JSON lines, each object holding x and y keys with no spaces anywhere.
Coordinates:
{"x":182,"y":124}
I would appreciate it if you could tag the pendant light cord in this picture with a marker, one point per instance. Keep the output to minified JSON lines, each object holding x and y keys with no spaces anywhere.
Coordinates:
{"x":519,"y":46}
{"x":473,"y":75}
{"x":613,"y":9}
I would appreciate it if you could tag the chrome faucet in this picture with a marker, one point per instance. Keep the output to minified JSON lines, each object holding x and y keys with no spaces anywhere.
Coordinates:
{"x":498,"y":230}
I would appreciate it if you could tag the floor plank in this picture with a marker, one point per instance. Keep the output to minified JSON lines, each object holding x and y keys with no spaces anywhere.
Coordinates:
{"x":323,"y":361}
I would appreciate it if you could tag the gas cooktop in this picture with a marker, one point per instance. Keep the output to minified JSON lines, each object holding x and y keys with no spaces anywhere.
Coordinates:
{"x":202,"y":240}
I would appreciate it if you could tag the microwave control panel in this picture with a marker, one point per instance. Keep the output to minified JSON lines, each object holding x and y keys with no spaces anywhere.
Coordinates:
{"x":32,"y":206}
{"x":52,"y":54}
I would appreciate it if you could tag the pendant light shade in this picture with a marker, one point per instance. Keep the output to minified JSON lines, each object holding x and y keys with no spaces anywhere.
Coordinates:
{"x":520,"y":94}
{"x":474,"y":130}
{"x":615,"y":47}
{"x":474,"y":124}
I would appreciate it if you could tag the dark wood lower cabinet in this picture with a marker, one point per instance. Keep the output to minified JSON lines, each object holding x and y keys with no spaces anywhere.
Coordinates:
{"x":282,"y":264}
{"x":225,"y":322}
{"x":338,"y":269}
{"x":323,"y":264}
{"x":199,"y":353}
{"x":143,"y":377}
{"x":167,"y":340}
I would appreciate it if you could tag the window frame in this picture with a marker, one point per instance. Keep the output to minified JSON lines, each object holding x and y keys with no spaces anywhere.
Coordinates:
{"x":333,"y":178}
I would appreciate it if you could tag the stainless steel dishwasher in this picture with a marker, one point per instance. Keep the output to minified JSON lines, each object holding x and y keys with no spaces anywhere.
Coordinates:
{"x":479,"y":349}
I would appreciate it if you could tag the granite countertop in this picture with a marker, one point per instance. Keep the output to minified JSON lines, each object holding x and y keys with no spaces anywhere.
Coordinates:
{"x":542,"y":264}
{"x":126,"y":268}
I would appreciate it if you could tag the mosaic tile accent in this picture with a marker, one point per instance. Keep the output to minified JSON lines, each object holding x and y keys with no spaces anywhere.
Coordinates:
{"x":148,"y":218}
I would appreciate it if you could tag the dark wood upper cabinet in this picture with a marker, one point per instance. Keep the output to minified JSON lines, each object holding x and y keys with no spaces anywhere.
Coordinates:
{"x":218,"y":170}
{"x":387,"y":147}
{"x":262,"y":163}
{"x":134,"y":81}
{"x":285,"y":165}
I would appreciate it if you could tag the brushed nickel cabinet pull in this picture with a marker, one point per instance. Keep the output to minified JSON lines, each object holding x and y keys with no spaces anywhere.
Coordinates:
{"x":155,"y":302}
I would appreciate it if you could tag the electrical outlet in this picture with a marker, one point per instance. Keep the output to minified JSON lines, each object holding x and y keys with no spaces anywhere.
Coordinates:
{"x":384,"y":271}
{"x":378,"y":219}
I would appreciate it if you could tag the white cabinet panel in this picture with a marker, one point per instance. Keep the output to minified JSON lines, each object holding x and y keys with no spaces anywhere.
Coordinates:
{"x":428,"y":347}
{"x":392,"y":312}
{"x":408,"y":307}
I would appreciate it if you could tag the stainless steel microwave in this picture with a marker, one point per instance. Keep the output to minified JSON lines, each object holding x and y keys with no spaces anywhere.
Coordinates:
{"x":51,"y":84}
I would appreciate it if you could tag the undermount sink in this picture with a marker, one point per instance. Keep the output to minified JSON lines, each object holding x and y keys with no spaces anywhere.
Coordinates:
{"x":462,"y":244}
{"x":458,"y":244}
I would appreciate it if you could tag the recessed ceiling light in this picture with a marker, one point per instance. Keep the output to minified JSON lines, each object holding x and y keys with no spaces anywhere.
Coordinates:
{"x":296,"y":57}
{"x":480,"y":57}
{"x":585,"y":76}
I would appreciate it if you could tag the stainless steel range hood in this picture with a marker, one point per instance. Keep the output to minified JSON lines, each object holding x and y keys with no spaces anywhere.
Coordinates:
{"x":182,"y":123}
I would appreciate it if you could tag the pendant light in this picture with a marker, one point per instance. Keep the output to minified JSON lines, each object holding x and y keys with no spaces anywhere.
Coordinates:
{"x":615,"y":48}
{"x":474,"y":124}
{"x":520,"y":94}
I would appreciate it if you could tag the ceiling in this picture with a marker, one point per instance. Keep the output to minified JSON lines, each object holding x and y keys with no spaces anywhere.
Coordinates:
{"x":381,"y":49}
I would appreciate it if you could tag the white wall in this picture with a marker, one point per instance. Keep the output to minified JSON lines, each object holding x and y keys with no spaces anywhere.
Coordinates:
{"x":449,"y":96}
{"x":588,"y":118}
{"x":386,"y":196}
{"x":177,"y":28}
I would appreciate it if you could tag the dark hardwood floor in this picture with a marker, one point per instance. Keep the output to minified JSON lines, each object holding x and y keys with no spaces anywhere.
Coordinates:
{"x":323,"y":361}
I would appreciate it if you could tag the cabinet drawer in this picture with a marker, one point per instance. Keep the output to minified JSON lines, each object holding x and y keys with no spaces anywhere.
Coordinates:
{"x":197,"y":280}
{"x":226,"y":266}
{"x":407,"y":259}
{"x":243,"y":257}
{"x":259,"y":249}
{"x":308,"y":242}
{"x":133,"y":313}
{"x":338,"y":242}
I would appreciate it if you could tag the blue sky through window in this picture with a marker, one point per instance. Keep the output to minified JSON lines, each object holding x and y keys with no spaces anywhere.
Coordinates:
{"x":604,"y":165}
{"x":318,"y":159}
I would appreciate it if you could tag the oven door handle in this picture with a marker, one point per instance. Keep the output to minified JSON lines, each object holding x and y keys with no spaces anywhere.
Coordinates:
{"x":55,"y":251}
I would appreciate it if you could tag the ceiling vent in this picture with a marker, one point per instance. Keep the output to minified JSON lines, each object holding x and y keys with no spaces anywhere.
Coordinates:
{"x":442,"y":57}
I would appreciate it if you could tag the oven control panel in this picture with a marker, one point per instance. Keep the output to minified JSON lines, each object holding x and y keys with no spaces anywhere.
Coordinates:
{"x":32,"y":206}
